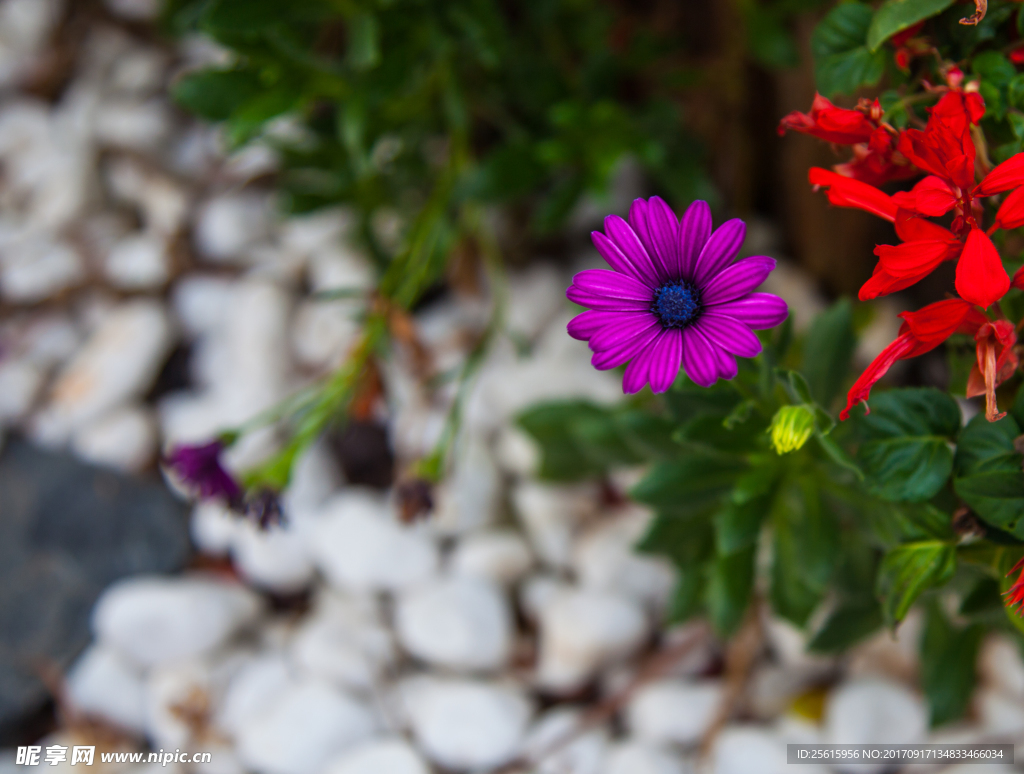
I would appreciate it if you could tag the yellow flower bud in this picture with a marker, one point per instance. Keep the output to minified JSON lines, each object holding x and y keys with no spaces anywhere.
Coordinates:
{"x":791,"y":427}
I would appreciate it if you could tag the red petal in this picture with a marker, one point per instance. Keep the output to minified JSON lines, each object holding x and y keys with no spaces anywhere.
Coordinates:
{"x":933,"y":324}
{"x":931,"y":196}
{"x":1011,"y":212}
{"x":980,"y":276}
{"x":1007,"y":175}
{"x":913,"y":259}
{"x":1018,"y":279}
{"x":847,"y":192}
{"x":861,"y":389}
{"x":830,"y":123}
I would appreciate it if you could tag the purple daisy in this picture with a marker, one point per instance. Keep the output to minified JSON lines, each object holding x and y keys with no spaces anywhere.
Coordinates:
{"x":199,"y":467}
{"x":674,"y":297}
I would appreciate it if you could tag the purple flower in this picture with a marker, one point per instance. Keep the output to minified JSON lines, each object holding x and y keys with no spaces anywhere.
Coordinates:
{"x":199,"y":466}
{"x":674,"y":297}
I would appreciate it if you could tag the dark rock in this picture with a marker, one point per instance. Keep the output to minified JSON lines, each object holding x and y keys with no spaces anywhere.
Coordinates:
{"x":68,"y":530}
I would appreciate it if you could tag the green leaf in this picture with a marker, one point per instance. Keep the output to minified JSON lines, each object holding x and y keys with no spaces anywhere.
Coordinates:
{"x":989,"y":477}
{"x":828,"y":350}
{"x":948,"y":657}
{"x":843,"y":62}
{"x":363,"y":41}
{"x":910,"y":569}
{"x":804,"y":549}
{"x":906,"y":456}
{"x":687,"y":484}
{"x":216,"y":94}
{"x":579,"y":439}
{"x":728,"y":590}
{"x":896,"y":15}
{"x":688,"y":542}
{"x":998,"y":498}
{"x":848,"y":624}
{"x":994,"y":67}
{"x":738,"y":523}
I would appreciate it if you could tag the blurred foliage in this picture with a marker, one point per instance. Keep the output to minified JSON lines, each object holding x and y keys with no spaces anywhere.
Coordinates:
{"x":376,"y":103}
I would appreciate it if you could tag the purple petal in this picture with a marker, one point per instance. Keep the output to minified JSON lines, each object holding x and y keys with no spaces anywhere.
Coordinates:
{"x":667,"y":357}
{"x":619,"y":354}
{"x":596,"y":301}
{"x":738,"y":280}
{"x":629,"y":243}
{"x":729,"y":334}
{"x":727,"y":368}
{"x":583,"y":326}
{"x":625,"y":327}
{"x":612,"y":284}
{"x":694,"y":230}
{"x":617,"y":259}
{"x":758,"y":310}
{"x":638,"y":371}
{"x":657,"y":226}
{"x":719,"y":251}
{"x":700,"y":361}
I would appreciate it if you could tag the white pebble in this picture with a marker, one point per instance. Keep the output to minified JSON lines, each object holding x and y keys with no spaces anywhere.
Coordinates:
{"x":20,"y":382}
{"x":152,"y":620}
{"x":200,"y":302}
{"x":323,"y":332}
{"x":360,"y":546}
{"x":118,"y":363}
{"x":873,"y":711}
{"x":306,"y":727}
{"x":388,"y":755}
{"x":1000,"y":665}
{"x":123,"y":439}
{"x":468,"y":499}
{"x":465,"y":724}
{"x":214,"y":527}
{"x":673,"y":711}
{"x":459,"y":623}
{"x":582,"y":631}
{"x":102,"y":683}
{"x":33,"y":270}
{"x":605,"y":559}
{"x":550,"y":515}
{"x":274,"y":558}
{"x":638,"y":758}
{"x":498,"y":555}
{"x":746,"y":749}
{"x":229,"y":225}
{"x":344,"y":642}
{"x":557,"y":744}
{"x":138,"y":263}
{"x":140,"y":126}
{"x":252,"y":691}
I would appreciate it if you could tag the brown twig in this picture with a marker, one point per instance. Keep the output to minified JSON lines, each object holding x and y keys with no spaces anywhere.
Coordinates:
{"x":654,"y":667}
{"x":980,"y":9}
{"x":740,"y":655}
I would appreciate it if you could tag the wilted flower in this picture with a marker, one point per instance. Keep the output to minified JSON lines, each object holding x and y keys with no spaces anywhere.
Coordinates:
{"x":675,"y":297}
{"x":199,"y":467}
{"x":791,"y":427}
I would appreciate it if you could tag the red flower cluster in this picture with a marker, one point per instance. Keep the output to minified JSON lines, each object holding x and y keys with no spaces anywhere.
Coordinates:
{"x":944,"y":151}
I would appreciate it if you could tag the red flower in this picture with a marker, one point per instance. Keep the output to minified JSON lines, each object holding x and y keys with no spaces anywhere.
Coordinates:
{"x":922,"y":331}
{"x":845,"y":191}
{"x":996,"y":362}
{"x":925,"y":246}
{"x":1015,"y":594}
{"x":875,"y":159}
{"x":833,"y":124}
{"x":1017,"y":55}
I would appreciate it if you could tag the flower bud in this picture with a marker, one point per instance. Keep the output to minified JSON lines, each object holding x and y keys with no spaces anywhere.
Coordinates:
{"x":791,"y":427}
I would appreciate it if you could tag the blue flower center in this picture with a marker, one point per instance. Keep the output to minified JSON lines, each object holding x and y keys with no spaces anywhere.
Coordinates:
{"x":676,"y":304}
